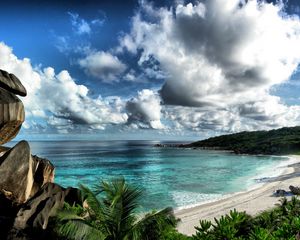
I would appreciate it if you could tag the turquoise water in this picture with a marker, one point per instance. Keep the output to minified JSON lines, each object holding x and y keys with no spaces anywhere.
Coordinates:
{"x":169,"y":176}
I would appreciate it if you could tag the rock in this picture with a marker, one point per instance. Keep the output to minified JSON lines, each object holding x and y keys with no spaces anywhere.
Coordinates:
{"x":16,"y":173}
{"x":295,"y":190}
{"x":160,"y":145}
{"x":14,"y":234}
{"x":12,"y":115}
{"x":3,"y":150}
{"x":280,"y":193}
{"x":43,"y":172}
{"x":11,"y":83}
{"x":44,"y":204}
{"x":8,"y":213}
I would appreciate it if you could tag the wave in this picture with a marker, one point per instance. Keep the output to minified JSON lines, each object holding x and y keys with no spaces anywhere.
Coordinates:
{"x":185,"y":199}
{"x":264,"y":174}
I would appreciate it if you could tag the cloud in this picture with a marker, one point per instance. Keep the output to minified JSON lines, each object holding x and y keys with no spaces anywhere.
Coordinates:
{"x":202,"y":120}
{"x":144,"y":111}
{"x":71,"y":45}
{"x":78,"y":39}
{"x":216,"y":52}
{"x":102,"y":65}
{"x":58,"y":99}
{"x":62,"y":43}
{"x":82,"y":26}
{"x":221,"y":60}
{"x":268,"y":113}
{"x":68,"y":100}
{"x":130,"y":76}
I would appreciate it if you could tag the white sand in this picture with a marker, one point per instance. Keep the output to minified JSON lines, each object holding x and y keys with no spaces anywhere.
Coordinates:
{"x":253,"y":201}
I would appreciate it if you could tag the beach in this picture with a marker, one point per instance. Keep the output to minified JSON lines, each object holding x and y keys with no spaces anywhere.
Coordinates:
{"x":253,"y":201}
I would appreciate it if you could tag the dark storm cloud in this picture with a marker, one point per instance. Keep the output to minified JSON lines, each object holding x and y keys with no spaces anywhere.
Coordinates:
{"x":169,"y":94}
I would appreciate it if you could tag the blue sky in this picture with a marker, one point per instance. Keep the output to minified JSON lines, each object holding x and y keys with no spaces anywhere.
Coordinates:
{"x":163,"y":69}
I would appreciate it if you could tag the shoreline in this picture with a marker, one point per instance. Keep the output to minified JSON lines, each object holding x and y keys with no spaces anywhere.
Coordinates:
{"x":253,"y":201}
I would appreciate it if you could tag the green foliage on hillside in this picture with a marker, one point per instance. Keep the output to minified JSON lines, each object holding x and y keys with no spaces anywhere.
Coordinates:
{"x":280,"y":141}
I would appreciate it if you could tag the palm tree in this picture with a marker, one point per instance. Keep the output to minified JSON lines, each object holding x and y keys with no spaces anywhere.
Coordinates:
{"x":111,"y":215}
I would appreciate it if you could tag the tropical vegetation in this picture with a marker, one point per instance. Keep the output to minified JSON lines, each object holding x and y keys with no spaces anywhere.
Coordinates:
{"x":282,"y":222}
{"x":279,"y":141}
{"x":110,"y":212}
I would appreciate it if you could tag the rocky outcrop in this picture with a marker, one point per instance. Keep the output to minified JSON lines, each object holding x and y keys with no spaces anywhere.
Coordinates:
{"x":44,"y":204}
{"x":16,"y":163}
{"x":8,"y":212}
{"x":11,"y":83}
{"x":3,"y":150}
{"x":12,"y":115}
{"x":16,"y":173}
{"x":23,"y":175}
{"x":28,"y":196}
{"x":295,"y":190}
{"x":280,"y":193}
{"x":12,"y":112}
{"x":43,"y":172}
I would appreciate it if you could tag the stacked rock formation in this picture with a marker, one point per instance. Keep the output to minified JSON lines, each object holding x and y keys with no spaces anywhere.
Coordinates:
{"x":11,"y":107}
{"x":28,"y":196}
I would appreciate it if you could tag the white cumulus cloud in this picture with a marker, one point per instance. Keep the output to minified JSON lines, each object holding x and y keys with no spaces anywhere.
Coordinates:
{"x":102,"y":65}
{"x":145,"y":110}
{"x":214,"y":50}
{"x":221,"y":58}
{"x":58,"y":99}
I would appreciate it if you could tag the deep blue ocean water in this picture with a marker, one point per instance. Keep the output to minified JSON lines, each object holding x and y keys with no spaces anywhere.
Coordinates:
{"x":169,"y":176}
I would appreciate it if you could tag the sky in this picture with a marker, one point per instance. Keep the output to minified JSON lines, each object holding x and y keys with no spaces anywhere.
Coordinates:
{"x":175,"y":70}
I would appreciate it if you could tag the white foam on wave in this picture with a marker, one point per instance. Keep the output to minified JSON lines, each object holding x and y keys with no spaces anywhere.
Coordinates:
{"x":271,"y":171}
{"x":185,"y":199}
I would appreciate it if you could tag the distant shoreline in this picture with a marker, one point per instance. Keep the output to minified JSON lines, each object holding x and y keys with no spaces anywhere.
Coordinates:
{"x":252,"y":201}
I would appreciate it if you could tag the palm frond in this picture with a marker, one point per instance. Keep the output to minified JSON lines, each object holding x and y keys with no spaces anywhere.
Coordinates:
{"x":152,"y":224}
{"x":111,"y":215}
{"x":121,"y":202}
{"x":79,"y":229}
{"x":65,"y":215}
{"x":94,"y":204}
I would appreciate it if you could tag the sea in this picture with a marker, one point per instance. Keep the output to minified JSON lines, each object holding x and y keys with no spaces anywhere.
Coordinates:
{"x":169,"y":177}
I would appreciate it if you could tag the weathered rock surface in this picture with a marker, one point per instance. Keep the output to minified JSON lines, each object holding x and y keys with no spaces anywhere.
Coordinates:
{"x":7,"y":215}
{"x":11,"y":83}
{"x":3,"y":150}
{"x":28,"y":196}
{"x":295,"y":190}
{"x":43,"y":172}
{"x":12,"y":115}
{"x":16,"y":173}
{"x":35,"y":213}
{"x":23,"y":175}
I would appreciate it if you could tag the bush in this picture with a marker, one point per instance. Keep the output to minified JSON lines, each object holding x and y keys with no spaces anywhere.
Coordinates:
{"x":232,"y":226}
{"x":283,"y":222}
{"x":112,"y":216}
